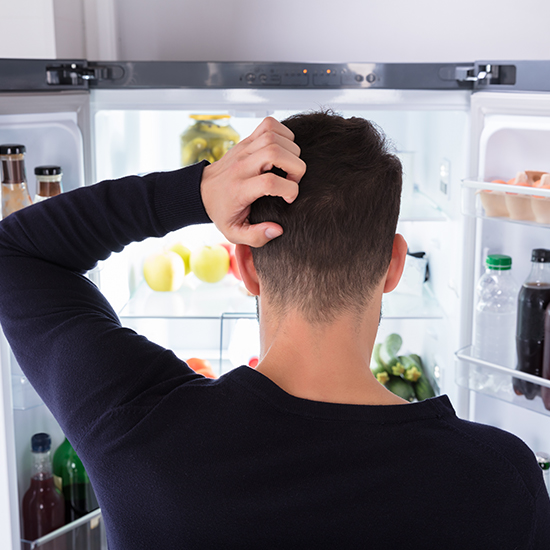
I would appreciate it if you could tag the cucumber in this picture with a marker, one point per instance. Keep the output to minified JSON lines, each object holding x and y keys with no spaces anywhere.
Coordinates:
{"x":401,"y":388}
{"x":377,"y":367}
{"x":422,"y":388}
{"x":395,"y":367}
{"x":390,"y":347}
{"x":412,"y":371}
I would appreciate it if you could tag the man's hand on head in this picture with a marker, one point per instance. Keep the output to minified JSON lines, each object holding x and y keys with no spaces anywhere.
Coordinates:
{"x":230,"y":185}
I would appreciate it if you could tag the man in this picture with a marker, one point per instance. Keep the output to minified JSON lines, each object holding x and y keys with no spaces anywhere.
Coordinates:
{"x":306,"y":451}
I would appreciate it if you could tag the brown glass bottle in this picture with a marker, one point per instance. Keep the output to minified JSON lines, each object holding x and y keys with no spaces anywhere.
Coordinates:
{"x":15,"y":194}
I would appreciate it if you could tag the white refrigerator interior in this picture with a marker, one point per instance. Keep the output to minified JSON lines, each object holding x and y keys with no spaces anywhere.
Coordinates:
{"x":112,"y":133}
{"x":510,"y":134}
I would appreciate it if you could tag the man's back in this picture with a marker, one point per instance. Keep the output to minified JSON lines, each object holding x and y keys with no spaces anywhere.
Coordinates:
{"x":239,"y":463}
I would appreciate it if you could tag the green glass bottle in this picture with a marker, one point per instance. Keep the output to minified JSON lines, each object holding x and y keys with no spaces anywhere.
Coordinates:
{"x":74,"y":483}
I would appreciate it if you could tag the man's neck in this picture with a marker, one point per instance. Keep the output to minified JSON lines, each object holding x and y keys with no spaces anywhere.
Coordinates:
{"x":328,"y":362}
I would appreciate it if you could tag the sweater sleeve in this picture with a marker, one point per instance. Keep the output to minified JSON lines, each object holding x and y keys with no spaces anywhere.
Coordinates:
{"x":63,"y":332}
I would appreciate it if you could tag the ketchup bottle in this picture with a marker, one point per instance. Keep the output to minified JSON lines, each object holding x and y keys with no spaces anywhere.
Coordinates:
{"x":43,"y":504}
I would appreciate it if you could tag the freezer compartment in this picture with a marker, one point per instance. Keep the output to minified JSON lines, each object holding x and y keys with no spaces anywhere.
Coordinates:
{"x":87,"y":533}
{"x":497,"y":381}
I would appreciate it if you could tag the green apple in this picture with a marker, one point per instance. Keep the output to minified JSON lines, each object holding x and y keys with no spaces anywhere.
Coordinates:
{"x":185,"y":254}
{"x":210,"y":263}
{"x":164,"y":272}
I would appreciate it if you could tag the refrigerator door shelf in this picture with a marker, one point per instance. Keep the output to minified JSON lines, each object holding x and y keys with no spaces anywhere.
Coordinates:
{"x":496,"y":381}
{"x":88,"y":531}
{"x":510,"y":203}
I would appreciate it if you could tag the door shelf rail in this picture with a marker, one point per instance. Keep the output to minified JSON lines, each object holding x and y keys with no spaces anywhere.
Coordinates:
{"x":509,"y":203}
{"x":496,"y":381}
{"x":86,"y":532}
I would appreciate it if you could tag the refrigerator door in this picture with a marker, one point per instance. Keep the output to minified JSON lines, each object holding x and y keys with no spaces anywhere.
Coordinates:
{"x":55,"y":128}
{"x":510,"y":133}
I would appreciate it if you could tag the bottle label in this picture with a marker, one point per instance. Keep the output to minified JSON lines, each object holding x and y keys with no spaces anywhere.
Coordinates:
{"x":58,"y":482}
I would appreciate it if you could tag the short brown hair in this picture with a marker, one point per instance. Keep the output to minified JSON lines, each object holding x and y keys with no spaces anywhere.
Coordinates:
{"x":338,"y":233}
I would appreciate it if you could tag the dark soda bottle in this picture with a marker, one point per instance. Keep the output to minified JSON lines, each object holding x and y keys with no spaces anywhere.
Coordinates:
{"x":545,"y":392}
{"x":80,"y":499}
{"x":43,"y":505}
{"x":533,"y":299}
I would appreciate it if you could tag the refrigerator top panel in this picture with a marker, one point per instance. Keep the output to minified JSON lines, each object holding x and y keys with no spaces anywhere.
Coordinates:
{"x":25,"y":75}
{"x":510,"y":76}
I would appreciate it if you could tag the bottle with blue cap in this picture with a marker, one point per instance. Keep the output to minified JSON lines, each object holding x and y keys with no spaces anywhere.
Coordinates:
{"x":43,"y":505}
{"x":495,"y":313}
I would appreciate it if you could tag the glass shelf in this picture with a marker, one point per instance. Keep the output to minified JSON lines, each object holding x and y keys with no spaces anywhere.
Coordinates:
{"x":407,"y":306}
{"x":496,"y":381}
{"x":194,"y":299}
{"x":86,"y":533}
{"x":419,"y":207}
{"x":23,"y":394}
{"x":227,"y":298}
{"x":492,"y":202}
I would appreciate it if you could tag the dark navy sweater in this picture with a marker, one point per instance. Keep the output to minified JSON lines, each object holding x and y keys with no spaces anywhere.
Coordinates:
{"x":181,"y":461}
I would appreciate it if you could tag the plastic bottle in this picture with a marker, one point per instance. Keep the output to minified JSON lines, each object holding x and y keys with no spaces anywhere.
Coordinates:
{"x":533,"y":299}
{"x":15,"y":194}
{"x":43,"y":505}
{"x":495,"y":314}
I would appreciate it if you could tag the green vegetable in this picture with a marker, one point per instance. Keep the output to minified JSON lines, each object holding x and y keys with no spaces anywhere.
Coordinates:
{"x":395,"y":367}
{"x":401,"y":388}
{"x":412,"y":371}
{"x":423,"y":389}
{"x":379,"y":369}
{"x":389,"y":348}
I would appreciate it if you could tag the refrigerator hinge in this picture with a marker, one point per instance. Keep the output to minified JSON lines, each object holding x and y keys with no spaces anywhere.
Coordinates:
{"x":476,"y":73}
{"x":79,"y":74}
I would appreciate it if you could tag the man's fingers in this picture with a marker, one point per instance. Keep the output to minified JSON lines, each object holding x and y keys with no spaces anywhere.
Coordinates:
{"x":269,"y":124}
{"x":254,"y":235}
{"x":271,"y":156}
{"x":269,"y":138}
{"x":271,"y":185}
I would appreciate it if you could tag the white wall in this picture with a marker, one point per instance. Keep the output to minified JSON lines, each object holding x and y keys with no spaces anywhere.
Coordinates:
{"x":327,"y":30}
{"x":282,"y":30}
{"x":27,"y":29}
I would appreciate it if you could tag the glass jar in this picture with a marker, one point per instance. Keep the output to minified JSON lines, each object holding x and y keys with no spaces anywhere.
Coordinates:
{"x":15,"y":194}
{"x":208,"y":138}
{"x":48,"y":182}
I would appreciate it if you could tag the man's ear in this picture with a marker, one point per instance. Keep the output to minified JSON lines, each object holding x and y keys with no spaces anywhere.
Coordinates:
{"x":397,"y":263}
{"x":247,"y":269}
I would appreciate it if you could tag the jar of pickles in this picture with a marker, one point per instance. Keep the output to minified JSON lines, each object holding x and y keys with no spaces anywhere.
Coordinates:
{"x":208,"y":138}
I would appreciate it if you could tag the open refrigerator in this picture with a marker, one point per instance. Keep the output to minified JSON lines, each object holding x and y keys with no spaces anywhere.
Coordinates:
{"x":456,"y":127}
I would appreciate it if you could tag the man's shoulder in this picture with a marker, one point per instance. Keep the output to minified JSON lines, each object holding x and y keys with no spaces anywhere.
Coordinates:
{"x":499,"y":448}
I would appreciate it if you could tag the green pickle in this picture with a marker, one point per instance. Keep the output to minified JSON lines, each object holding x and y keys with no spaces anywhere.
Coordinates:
{"x":209,"y":138}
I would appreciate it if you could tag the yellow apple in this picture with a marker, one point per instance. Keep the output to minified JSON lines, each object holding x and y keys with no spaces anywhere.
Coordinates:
{"x":185,"y":254}
{"x":210,"y":263}
{"x":164,"y":272}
